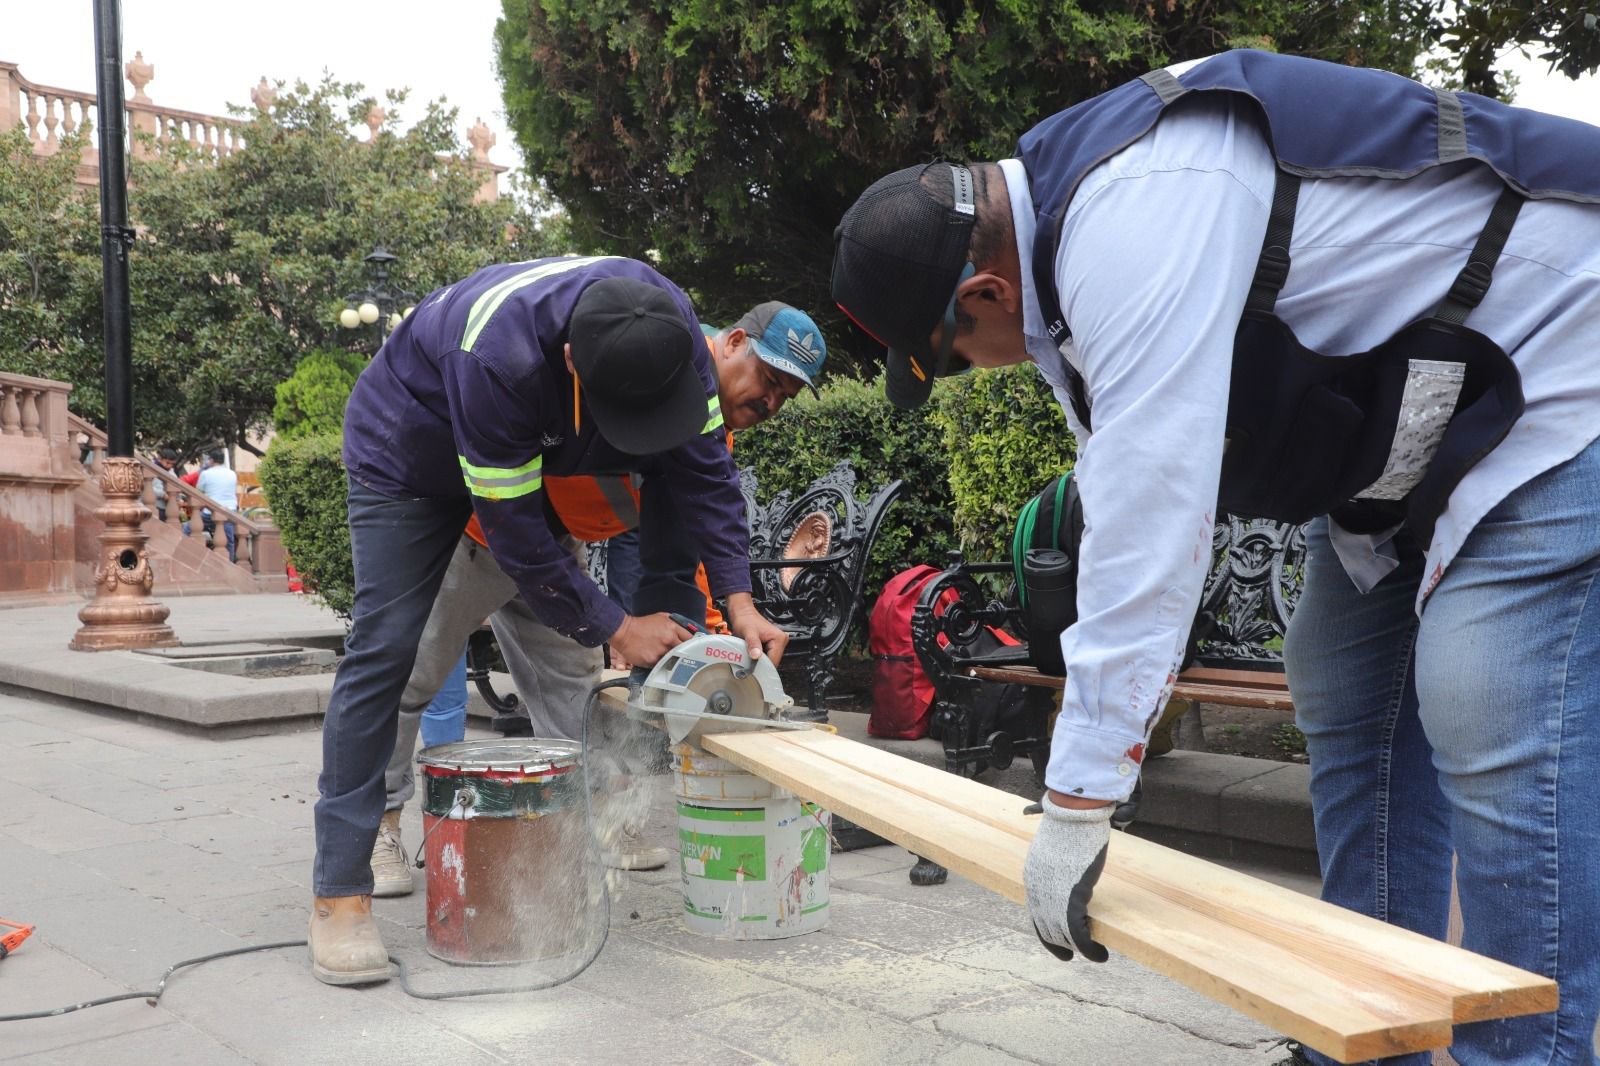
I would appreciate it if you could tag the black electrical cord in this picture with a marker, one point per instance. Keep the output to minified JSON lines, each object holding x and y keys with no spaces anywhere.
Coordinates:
{"x":405,"y":979}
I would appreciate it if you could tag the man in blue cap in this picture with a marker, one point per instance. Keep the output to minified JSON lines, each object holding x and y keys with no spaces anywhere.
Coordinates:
{"x":556,"y":367}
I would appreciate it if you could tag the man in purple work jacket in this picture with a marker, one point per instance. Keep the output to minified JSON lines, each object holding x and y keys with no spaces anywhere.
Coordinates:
{"x":553,"y":367}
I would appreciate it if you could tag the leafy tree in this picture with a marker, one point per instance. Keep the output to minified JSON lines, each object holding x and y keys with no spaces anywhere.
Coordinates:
{"x":729,"y":135}
{"x":1475,"y":36}
{"x":241,"y":264}
{"x":313,"y":400}
{"x":49,"y":255}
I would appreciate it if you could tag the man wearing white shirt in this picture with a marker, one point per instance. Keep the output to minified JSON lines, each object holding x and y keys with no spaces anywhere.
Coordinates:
{"x":1286,"y":288}
{"x":222,"y":485}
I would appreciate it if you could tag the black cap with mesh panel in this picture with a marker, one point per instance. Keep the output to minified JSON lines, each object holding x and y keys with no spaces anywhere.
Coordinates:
{"x":898,"y":255}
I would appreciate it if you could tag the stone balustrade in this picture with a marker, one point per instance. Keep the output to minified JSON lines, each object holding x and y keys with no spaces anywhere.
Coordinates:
{"x":260,"y":545}
{"x":50,"y":115}
{"x":39,"y":470}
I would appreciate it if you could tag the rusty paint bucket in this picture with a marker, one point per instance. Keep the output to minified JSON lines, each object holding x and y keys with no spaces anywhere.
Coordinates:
{"x":506,"y":845}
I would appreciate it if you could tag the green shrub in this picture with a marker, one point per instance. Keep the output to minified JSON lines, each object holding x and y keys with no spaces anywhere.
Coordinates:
{"x":304,"y":482}
{"x":853,"y":420}
{"x":1002,"y":437}
{"x":312,"y":400}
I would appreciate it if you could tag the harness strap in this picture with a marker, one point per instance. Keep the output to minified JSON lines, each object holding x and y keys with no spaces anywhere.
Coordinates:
{"x":1473,"y":282}
{"x":1272,"y":269}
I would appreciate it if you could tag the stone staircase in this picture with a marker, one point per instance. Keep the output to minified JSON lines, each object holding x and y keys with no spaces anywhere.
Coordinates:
{"x":182,"y":563}
{"x":49,"y":528}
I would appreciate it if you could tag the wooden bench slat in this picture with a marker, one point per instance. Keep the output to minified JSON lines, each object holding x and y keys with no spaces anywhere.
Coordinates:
{"x":1344,"y":984}
{"x":1474,"y":983}
{"x":1199,"y":684}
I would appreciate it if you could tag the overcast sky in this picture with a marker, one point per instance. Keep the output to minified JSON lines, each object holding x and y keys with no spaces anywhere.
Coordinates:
{"x":208,"y":53}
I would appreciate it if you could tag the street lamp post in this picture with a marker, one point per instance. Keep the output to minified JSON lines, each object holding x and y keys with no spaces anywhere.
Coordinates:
{"x":378,"y":302}
{"x":122,"y":614}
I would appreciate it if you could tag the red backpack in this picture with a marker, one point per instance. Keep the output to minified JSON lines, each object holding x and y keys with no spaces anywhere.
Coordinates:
{"x":902,"y":695}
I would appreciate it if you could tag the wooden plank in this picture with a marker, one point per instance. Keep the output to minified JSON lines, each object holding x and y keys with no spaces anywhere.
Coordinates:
{"x":1312,"y":980}
{"x":1201,"y":689}
{"x":1478,"y":987}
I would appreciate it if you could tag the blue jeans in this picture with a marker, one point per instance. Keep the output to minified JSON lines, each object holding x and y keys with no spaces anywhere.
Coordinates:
{"x":208,"y":523}
{"x":1474,"y":731}
{"x":401,"y":548}
{"x":444,"y":721}
{"x":622,"y":568}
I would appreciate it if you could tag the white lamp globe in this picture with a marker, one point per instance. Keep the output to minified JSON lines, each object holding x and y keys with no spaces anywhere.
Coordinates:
{"x":394,"y":319}
{"x":368,"y":312}
{"x":349,"y":319}
{"x":407,"y":313}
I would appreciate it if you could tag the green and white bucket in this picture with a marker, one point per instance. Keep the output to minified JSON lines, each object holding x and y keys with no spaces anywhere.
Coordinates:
{"x":754,"y":857}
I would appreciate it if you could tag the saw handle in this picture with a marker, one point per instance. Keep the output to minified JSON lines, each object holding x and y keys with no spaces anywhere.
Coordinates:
{"x":694,"y":628}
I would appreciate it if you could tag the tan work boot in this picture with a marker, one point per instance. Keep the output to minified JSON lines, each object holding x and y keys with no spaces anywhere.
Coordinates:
{"x":346,"y":947}
{"x":391,"y":873}
{"x":625,"y":849}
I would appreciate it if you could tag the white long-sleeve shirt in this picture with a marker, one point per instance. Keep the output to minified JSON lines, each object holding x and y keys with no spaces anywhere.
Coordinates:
{"x":1157,"y":252}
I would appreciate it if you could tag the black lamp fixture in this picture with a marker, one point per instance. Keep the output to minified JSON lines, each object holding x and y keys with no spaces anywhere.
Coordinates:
{"x":378,"y":302}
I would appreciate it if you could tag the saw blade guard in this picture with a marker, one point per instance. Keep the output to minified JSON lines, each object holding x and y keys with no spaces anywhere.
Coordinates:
{"x":709,"y":684}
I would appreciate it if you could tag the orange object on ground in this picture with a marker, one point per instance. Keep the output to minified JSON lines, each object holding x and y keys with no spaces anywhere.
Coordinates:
{"x":13,"y":940}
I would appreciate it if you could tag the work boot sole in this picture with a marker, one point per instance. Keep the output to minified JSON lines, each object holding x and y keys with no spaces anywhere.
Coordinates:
{"x":349,"y":977}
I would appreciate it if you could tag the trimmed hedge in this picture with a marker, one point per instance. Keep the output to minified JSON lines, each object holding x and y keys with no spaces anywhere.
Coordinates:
{"x":304,"y":482}
{"x":1004,"y":436}
{"x":853,"y":420}
{"x":312,"y":400}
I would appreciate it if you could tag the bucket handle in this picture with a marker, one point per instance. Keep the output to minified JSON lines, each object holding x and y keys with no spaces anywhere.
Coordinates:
{"x":466,"y":799}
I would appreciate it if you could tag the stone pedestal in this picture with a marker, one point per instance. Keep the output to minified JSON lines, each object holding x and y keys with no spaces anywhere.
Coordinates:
{"x":123,"y":614}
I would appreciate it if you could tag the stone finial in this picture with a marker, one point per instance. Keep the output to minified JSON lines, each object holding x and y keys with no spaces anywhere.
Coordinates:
{"x":375,"y":117}
{"x":139,"y":73}
{"x":263,"y":95}
{"x":482,"y":139}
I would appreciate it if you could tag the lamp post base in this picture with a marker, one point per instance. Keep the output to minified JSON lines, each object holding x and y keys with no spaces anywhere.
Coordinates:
{"x":123,"y":614}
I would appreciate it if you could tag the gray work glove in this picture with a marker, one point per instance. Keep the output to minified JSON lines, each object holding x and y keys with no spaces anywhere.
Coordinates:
{"x":1063,"y":865}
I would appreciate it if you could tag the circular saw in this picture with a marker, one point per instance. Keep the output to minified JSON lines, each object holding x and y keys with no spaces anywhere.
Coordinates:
{"x":709,"y":684}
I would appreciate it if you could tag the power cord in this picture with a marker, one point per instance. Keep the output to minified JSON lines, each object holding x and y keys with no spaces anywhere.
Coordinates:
{"x":154,"y":997}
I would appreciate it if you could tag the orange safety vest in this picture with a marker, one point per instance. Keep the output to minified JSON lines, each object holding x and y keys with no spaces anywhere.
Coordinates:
{"x":596,"y":507}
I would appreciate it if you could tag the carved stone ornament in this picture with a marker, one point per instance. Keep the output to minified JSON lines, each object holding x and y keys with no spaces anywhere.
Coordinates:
{"x":482,"y":139}
{"x":263,"y":95}
{"x":140,"y":74}
{"x":123,"y":614}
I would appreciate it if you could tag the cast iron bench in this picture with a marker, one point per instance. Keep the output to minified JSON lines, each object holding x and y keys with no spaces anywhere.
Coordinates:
{"x":808,"y":559}
{"x":1234,"y":658}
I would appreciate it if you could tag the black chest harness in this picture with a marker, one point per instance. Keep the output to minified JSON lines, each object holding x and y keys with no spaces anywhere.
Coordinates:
{"x":1375,"y":438}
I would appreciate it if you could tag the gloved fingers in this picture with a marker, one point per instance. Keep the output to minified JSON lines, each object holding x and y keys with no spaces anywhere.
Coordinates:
{"x":1078,"y":911}
{"x":1058,"y":950}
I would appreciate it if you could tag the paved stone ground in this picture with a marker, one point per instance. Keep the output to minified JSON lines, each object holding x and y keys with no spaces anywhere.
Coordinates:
{"x":132,"y":846}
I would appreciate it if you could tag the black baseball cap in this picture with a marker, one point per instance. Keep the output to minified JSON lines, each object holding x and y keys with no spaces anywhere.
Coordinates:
{"x":898,"y":255}
{"x":634,"y":356}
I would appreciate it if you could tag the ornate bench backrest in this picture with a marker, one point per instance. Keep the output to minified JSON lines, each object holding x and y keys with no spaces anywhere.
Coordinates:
{"x":815,"y":591}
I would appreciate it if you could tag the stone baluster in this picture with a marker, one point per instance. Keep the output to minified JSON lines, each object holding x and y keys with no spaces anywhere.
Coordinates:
{"x":30,"y":412}
{"x":31,"y":122}
{"x":52,"y":143}
{"x":10,"y":412}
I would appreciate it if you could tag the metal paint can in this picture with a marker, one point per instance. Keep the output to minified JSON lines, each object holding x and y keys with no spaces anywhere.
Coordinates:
{"x":506,"y":847}
{"x":754,"y":856}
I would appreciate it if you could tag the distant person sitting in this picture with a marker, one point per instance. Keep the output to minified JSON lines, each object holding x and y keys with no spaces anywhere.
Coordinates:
{"x":166,"y":459}
{"x":222,"y":485}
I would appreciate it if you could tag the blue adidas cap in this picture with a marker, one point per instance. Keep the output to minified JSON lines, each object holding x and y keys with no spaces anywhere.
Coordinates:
{"x":786,"y":338}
